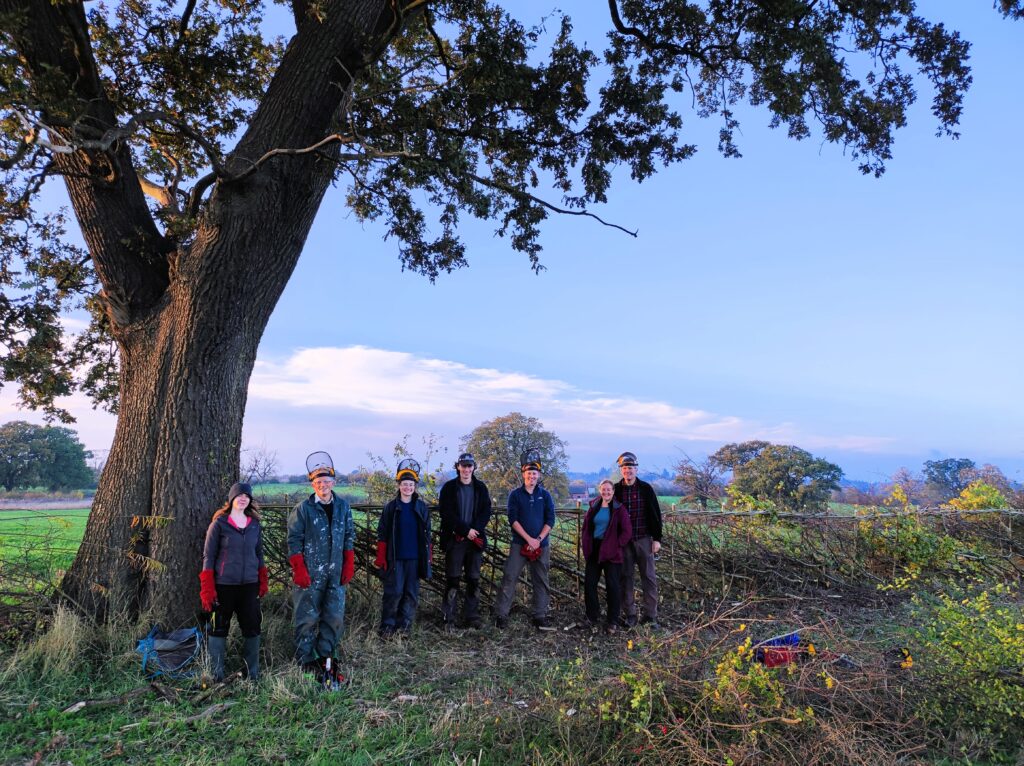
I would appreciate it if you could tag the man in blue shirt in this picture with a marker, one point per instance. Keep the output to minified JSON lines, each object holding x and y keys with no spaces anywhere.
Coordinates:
{"x":531,"y":514}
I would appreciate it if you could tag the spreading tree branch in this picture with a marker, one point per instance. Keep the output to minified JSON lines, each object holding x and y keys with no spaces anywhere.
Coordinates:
{"x":520,"y":194}
{"x":649,"y":42}
{"x":429,"y":22}
{"x":186,"y":16}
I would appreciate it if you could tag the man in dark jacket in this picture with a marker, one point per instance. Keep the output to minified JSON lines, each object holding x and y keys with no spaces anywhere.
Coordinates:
{"x":465,"y":506}
{"x":645,"y":514}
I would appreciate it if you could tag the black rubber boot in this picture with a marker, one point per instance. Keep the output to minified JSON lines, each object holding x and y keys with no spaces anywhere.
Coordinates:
{"x":448,"y":606}
{"x":471,"y":605}
{"x":251,"y":657}
{"x":217,"y":647}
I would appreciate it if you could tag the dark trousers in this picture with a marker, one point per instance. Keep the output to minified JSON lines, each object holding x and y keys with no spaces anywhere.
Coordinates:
{"x":240,"y":600}
{"x":639,"y":554}
{"x":401,"y":594}
{"x":463,"y":560}
{"x":612,"y":577}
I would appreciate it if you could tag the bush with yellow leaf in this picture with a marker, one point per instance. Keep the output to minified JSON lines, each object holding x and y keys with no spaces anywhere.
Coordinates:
{"x":970,"y":653}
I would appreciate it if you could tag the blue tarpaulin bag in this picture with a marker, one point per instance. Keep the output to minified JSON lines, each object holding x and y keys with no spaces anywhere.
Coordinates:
{"x":170,"y":654}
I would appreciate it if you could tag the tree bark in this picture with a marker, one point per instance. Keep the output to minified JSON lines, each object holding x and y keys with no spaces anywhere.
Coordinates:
{"x":186,"y":359}
{"x":184,"y":377}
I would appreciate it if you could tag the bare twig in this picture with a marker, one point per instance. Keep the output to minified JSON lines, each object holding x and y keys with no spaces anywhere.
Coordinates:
{"x":211,"y":711}
{"x":217,"y":688}
{"x":108,"y":702}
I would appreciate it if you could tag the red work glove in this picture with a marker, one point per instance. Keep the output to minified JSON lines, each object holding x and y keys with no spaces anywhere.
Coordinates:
{"x":382,"y":555}
{"x":530,"y":555}
{"x":300,"y":575}
{"x":264,"y":581}
{"x":478,"y":541}
{"x":348,"y":568}
{"x":207,"y":590}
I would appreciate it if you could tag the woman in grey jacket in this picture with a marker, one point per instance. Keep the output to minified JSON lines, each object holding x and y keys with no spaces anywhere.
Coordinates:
{"x":234,"y":578}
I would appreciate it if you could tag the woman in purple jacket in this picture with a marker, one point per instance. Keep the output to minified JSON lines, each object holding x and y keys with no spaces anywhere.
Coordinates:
{"x":606,"y":529}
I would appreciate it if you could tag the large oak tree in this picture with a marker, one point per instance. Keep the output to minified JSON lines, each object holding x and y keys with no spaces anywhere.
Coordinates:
{"x":498,"y":446}
{"x":194,"y":149}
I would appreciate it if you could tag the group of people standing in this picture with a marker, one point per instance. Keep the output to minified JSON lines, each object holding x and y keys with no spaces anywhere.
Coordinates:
{"x":621,"y":535}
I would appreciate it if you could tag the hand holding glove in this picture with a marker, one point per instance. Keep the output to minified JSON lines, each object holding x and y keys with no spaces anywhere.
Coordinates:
{"x":531,"y":554}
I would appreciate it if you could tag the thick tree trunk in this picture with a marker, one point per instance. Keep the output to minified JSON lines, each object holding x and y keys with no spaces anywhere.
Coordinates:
{"x":184,"y":380}
{"x":189,"y":346}
{"x":175,"y":452}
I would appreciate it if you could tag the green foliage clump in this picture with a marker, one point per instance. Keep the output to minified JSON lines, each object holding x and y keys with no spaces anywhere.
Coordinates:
{"x":742,"y":501}
{"x":970,"y":650}
{"x":46,"y":456}
{"x":903,"y":541}
{"x":498,"y":445}
{"x":790,"y":477}
{"x":946,"y":477}
{"x":743,"y":688}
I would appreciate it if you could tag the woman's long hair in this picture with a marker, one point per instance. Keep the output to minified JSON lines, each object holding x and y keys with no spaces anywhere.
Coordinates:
{"x":252,"y":510}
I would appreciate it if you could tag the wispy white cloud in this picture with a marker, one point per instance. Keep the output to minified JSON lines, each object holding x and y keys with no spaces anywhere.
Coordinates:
{"x":74,"y":325}
{"x":394,"y":383}
{"x":358,"y":399}
{"x":391,"y":383}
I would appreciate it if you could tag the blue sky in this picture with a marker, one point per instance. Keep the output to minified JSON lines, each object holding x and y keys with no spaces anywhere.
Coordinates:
{"x":781,"y":296}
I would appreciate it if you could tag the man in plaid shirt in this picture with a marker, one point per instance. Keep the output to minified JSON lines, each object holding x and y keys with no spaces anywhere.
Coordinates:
{"x":645,"y":514}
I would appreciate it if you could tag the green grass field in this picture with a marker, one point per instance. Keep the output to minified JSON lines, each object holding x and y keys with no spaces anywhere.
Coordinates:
{"x":52,"y":536}
{"x":294,"y":492}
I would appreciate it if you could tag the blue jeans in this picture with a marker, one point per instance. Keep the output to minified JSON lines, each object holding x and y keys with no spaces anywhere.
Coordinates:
{"x":401,"y":594}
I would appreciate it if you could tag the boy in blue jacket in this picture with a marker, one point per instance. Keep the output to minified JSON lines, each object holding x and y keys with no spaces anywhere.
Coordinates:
{"x":403,"y":551}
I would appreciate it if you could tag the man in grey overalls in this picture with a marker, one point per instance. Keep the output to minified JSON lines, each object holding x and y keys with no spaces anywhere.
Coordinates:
{"x":321,"y":542}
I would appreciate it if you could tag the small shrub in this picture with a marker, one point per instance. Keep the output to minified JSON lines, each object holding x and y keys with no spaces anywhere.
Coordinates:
{"x":744,"y":688}
{"x":970,"y":652}
{"x":979,"y":496}
{"x":903,"y":541}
